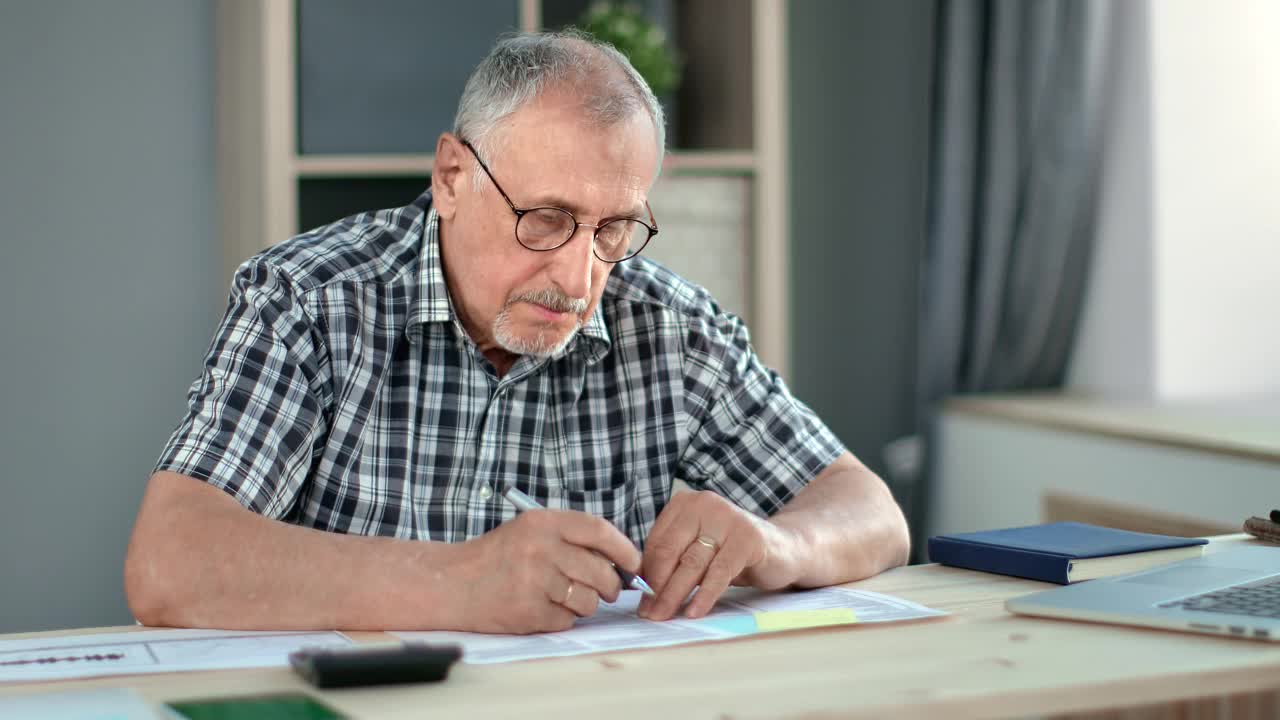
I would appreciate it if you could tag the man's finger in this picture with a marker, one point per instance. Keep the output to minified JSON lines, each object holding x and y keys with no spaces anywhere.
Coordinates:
{"x":690,"y":568}
{"x":590,"y":569}
{"x":580,"y":599}
{"x":594,"y":533}
{"x":662,"y":552}
{"x":554,"y":618}
{"x":724,"y":567}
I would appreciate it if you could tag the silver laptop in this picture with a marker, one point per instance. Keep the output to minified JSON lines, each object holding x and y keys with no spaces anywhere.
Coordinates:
{"x":1233,"y":591}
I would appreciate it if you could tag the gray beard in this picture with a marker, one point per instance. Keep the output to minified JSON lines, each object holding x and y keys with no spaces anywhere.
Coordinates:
{"x":539,"y":346}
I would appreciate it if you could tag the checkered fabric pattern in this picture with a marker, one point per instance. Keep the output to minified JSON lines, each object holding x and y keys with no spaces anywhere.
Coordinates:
{"x":340,"y":392}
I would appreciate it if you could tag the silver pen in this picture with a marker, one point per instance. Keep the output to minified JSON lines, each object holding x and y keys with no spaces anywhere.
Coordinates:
{"x":629,"y":580}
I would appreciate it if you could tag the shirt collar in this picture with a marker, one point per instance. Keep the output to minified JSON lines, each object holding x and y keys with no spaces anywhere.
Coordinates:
{"x":432,"y":304}
{"x":593,"y":338}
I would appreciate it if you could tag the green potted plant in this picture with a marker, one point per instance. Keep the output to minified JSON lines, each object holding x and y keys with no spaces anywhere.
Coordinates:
{"x":625,"y":26}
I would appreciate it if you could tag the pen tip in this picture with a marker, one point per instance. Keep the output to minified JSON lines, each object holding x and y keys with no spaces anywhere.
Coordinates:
{"x":643,"y":586}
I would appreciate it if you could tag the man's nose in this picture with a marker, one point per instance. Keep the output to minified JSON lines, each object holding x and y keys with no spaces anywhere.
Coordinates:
{"x":571,"y":267}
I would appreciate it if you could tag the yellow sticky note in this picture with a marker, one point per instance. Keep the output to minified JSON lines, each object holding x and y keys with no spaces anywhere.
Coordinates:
{"x":792,"y":619}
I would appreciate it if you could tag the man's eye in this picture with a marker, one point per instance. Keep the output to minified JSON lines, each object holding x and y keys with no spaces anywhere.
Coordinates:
{"x":546,"y":221}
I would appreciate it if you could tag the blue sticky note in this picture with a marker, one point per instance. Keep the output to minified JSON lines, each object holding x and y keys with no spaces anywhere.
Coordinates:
{"x":732,"y":624}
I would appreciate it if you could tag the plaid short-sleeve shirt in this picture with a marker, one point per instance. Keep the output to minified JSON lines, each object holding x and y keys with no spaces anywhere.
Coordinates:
{"x":340,"y":392}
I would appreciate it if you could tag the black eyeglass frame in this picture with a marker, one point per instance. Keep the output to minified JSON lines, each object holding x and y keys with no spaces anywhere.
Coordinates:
{"x":651,"y":226}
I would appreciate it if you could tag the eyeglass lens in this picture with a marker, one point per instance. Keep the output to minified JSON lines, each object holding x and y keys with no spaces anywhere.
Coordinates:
{"x":549,"y":228}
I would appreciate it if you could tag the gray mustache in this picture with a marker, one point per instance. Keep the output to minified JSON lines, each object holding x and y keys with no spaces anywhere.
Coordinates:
{"x":553,"y":299}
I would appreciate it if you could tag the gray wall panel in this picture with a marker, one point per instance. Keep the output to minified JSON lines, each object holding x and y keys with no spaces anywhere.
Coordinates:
{"x":110,"y":276}
{"x":421,"y":54}
{"x":860,"y":81}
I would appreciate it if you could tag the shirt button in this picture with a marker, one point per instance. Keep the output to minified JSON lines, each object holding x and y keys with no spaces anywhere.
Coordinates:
{"x":486,"y":492}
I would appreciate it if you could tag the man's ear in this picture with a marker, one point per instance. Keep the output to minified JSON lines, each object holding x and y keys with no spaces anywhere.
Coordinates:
{"x":447,"y":175}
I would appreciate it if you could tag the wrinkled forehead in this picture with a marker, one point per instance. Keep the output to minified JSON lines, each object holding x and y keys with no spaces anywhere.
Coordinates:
{"x":561,"y":117}
{"x":549,"y":150}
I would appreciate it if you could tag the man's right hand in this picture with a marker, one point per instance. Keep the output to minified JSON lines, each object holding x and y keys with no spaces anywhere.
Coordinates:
{"x":200,"y":559}
{"x":541,"y":570}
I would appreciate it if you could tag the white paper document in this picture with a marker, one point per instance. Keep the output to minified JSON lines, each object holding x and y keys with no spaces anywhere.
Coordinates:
{"x":152,"y":651}
{"x":740,"y":612}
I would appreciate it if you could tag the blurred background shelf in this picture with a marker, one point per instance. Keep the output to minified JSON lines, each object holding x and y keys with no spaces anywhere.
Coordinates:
{"x":309,"y":166}
{"x":730,"y":162}
{"x":330,"y":107}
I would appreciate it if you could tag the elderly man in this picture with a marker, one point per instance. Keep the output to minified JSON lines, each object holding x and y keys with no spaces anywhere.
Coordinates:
{"x":377,"y":384}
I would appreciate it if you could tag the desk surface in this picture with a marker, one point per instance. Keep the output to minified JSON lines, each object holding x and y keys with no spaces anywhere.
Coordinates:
{"x":980,"y":661}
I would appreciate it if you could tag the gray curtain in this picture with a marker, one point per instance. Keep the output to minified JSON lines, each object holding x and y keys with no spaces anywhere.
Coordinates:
{"x":1017,"y":133}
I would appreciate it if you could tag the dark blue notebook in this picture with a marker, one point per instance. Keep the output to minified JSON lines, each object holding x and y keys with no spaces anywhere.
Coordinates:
{"x":1063,"y":552}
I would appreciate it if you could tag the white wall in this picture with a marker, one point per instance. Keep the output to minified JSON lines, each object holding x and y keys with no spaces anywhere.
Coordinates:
{"x":1216,"y":77}
{"x":1184,"y":294}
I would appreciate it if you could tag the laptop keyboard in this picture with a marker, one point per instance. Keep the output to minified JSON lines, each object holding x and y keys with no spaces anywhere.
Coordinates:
{"x":1258,"y":599}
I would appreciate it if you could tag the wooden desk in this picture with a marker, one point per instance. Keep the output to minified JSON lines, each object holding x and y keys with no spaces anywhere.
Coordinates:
{"x":979,"y":662}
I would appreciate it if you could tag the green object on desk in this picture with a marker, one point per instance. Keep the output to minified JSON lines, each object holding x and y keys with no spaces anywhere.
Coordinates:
{"x":282,"y":706}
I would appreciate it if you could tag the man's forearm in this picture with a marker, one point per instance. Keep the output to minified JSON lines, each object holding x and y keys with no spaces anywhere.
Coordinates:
{"x":198,"y":559}
{"x":845,"y":526}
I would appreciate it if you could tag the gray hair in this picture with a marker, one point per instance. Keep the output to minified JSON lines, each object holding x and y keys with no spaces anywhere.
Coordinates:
{"x":522,"y":66}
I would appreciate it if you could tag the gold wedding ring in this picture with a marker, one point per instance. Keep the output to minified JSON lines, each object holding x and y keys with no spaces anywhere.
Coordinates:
{"x":706,"y":541}
{"x":568,"y":594}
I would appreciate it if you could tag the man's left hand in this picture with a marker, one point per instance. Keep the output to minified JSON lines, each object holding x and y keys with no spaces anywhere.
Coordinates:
{"x":702,"y":540}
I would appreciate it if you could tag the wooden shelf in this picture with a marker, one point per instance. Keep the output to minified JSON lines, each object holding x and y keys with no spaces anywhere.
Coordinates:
{"x":741,"y":162}
{"x":720,"y":161}
{"x":740,"y":89}
{"x":319,"y":166}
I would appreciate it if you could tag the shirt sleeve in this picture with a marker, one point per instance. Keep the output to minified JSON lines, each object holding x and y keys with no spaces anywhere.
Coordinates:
{"x":749,"y":439}
{"x":254,"y":417}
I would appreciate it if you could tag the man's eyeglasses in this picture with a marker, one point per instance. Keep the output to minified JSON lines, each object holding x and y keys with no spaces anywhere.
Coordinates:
{"x":547,"y":228}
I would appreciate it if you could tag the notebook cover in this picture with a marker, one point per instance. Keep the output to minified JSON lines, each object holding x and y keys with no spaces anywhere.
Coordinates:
{"x":1044,"y":552}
